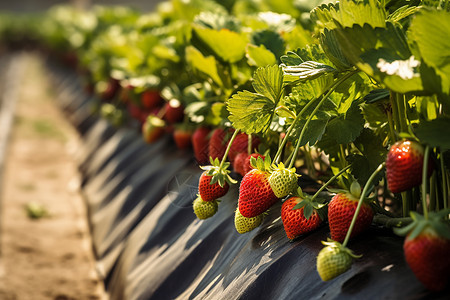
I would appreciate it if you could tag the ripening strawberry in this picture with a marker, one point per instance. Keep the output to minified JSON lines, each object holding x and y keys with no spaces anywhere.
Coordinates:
{"x":210,"y":192}
{"x":174,"y":111}
{"x":283,"y":181}
{"x":427,"y":248}
{"x":217,"y":143}
{"x":295,"y":222}
{"x":182,"y":138}
{"x":238,"y":163}
{"x":204,"y":209}
{"x":428,"y":257}
{"x":243,"y":224}
{"x":255,"y":194}
{"x":151,"y":99}
{"x":200,"y":143}
{"x":333,"y":260}
{"x":404,"y":165}
{"x":240,"y":144}
{"x":341,"y":209}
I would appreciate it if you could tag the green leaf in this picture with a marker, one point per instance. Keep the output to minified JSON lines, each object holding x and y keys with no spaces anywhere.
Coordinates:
{"x":259,"y":56}
{"x":270,"y":39}
{"x":206,"y":65}
{"x":346,"y":127}
{"x":308,"y":70}
{"x":253,"y":112}
{"x":334,"y":52}
{"x":226,"y":45}
{"x":313,"y":133}
{"x":377,"y":95}
{"x":430,"y":29}
{"x":435,"y":133}
{"x":308,"y":211}
{"x":268,"y":81}
{"x":291,"y":59}
{"x":372,"y":155}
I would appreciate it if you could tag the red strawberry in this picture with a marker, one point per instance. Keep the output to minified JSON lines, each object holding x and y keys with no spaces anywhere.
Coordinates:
{"x":111,"y":89}
{"x":404,"y":166}
{"x":426,"y":247}
{"x":239,"y":161}
{"x":152,"y":129}
{"x":240,"y":144}
{"x":217,"y":143}
{"x":247,"y":166}
{"x":182,"y":138}
{"x":340,"y":213}
{"x":151,"y":99}
{"x":428,"y":257}
{"x":208,"y":191}
{"x":200,"y":143}
{"x":174,"y":111}
{"x":294,"y":221}
{"x":255,"y":194}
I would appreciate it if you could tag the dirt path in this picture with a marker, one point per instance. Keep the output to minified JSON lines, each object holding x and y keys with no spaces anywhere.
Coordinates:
{"x":49,"y":257}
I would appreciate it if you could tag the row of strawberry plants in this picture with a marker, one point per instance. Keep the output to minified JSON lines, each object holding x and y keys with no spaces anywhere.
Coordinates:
{"x":355,"y":94}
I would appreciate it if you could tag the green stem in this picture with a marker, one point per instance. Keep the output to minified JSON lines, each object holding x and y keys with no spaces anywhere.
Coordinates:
{"x":444,"y":181}
{"x":393,"y":100}
{"x":249,"y":144}
{"x":391,"y":222}
{"x":405,"y":204}
{"x":361,"y":200}
{"x":433,"y":204}
{"x":329,"y":181}
{"x":424,"y":181}
{"x":342,"y":154}
{"x":391,"y":127}
{"x":277,"y":156}
{"x":224,"y":158}
{"x":330,"y":90}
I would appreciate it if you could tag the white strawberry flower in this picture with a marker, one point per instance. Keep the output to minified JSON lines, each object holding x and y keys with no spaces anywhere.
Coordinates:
{"x":402,"y":68}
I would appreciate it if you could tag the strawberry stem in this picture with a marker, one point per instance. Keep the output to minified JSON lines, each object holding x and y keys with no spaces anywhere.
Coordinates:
{"x":277,"y":156}
{"x":444,"y":182}
{"x":249,"y":144}
{"x":424,"y":181}
{"x":325,"y":97}
{"x":224,"y":158}
{"x":360,"y":202}
{"x":329,"y":181}
{"x":391,"y":127}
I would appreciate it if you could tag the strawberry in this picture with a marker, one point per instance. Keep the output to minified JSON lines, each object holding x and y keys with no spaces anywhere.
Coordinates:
{"x":211,"y":191}
{"x":204,"y":209}
{"x":295,"y":221}
{"x":240,"y":144}
{"x":200,"y":143}
{"x":243,"y":224}
{"x":151,"y":99}
{"x":341,"y":209}
{"x":333,"y":260}
{"x":182,"y":138}
{"x":404,"y":164}
{"x":426,"y":248}
{"x":174,"y":111}
{"x":239,"y":161}
{"x":152,"y":129}
{"x":112,"y":87}
{"x":217,"y":143}
{"x":255,"y":193}
{"x":247,"y":166}
{"x":283,"y":181}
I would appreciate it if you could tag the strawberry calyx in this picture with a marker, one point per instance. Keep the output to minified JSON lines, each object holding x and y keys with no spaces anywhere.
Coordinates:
{"x":434,"y":225}
{"x":261,"y":164}
{"x":310,"y":205}
{"x":219,"y":172}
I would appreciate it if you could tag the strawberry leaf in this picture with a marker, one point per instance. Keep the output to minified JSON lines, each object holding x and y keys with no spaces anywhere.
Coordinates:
{"x":253,"y":112}
{"x":346,"y":127}
{"x":308,"y":211}
{"x":431,"y":132}
{"x":307,"y":70}
{"x":259,"y":56}
{"x":205,"y":65}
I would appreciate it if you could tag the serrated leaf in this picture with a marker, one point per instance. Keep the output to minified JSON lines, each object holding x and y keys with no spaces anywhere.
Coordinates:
{"x":346,"y":127}
{"x":308,"y":70}
{"x":377,"y":95}
{"x":291,"y":59}
{"x":430,"y":29}
{"x":333,"y":51}
{"x":259,"y":56}
{"x":207,"y":65}
{"x":268,"y":81}
{"x":226,"y":45}
{"x":300,"y":205}
{"x":433,"y":132}
{"x":401,"y":13}
{"x":313,"y":132}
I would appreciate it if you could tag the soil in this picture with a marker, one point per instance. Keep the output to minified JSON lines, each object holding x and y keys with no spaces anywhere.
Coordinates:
{"x":48,"y":257}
